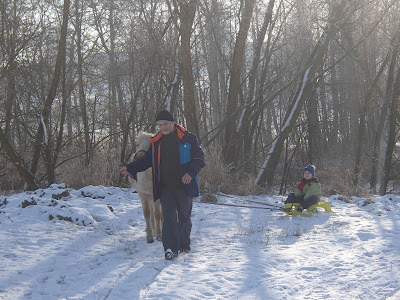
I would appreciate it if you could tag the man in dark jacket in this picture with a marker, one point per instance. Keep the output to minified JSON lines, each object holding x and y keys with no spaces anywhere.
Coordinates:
{"x":176,"y":158}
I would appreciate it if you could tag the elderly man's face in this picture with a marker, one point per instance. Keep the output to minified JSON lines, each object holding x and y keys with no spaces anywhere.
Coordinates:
{"x":166,"y":127}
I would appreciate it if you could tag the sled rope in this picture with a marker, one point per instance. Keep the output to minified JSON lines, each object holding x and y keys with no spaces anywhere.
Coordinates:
{"x":125,"y":185}
{"x":262,"y":203}
{"x":252,"y":201}
{"x":239,"y":205}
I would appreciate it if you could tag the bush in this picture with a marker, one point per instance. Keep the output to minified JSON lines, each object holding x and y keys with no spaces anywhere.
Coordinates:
{"x":216,"y":177}
{"x":338,"y":179}
{"x":215,"y":174}
{"x":103,"y":170}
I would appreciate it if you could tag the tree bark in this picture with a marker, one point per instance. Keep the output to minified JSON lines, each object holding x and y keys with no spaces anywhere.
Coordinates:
{"x":230,"y":146}
{"x":82,"y":98}
{"x":313,"y":126}
{"x":187,"y":13}
{"x":334,"y":91}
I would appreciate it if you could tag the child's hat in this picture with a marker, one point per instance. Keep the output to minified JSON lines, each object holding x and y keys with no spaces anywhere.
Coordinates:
{"x":311,"y":169}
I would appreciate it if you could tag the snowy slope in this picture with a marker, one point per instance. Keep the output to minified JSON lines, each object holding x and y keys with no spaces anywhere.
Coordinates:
{"x":90,"y":244}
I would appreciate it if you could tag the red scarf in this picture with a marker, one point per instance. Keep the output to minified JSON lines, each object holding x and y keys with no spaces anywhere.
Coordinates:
{"x":304,"y":181}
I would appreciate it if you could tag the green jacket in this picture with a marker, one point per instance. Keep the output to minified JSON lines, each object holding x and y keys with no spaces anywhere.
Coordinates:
{"x":312,"y":188}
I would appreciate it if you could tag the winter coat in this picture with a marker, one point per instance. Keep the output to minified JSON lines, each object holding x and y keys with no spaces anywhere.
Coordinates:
{"x":191,"y":158}
{"x":308,"y":188}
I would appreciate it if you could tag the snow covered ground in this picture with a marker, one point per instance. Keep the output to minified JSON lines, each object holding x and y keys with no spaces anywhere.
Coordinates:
{"x":61,"y":243}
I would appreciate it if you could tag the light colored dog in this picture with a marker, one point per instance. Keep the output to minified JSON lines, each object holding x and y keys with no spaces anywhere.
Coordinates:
{"x":144,"y":186}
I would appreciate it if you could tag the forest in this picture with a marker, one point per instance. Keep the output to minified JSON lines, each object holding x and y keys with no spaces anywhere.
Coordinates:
{"x":268,"y":86}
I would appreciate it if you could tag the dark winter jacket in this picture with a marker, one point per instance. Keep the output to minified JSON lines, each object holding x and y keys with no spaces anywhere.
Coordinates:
{"x":191,"y":159}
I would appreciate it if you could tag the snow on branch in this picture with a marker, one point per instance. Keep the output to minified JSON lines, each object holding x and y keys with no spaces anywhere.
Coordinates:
{"x":239,"y":125}
{"x":305,"y":79}
{"x":287,"y":123}
{"x":169,"y":98}
{"x":44,"y":129}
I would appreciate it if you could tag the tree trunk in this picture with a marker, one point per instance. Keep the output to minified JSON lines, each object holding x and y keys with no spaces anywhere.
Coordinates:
{"x":10,"y":90}
{"x":114,"y":112}
{"x":46,"y":112}
{"x":325,"y":115}
{"x":392,"y":135}
{"x":267,"y":172}
{"x":313,"y":126}
{"x":333,"y":136}
{"x":247,"y":122}
{"x":173,"y":91}
{"x":82,"y":98}
{"x":363,"y":122}
{"x":186,"y":15}
{"x":212,"y":38}
{"x":230,"y":146}
{"x":376,"y":154}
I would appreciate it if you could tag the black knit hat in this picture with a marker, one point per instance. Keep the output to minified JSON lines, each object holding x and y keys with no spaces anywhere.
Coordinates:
{"x":165,"y":116}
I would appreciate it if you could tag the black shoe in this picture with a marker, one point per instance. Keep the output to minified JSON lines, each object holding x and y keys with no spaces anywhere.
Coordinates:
{"x":184,"y":250}
{"x":169,"y":255}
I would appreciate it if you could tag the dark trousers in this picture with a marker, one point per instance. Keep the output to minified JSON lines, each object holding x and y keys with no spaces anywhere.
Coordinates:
{"x":177,"y":210}
{"x":306,"y":203}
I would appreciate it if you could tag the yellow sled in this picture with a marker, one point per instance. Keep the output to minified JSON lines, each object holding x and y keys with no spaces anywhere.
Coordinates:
{"x":291,"y":208}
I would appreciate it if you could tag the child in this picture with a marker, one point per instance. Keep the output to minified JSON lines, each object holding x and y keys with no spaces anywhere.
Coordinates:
{"x":308,"y":191}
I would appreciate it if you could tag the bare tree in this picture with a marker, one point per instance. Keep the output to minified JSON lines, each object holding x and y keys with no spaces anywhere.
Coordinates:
{"x":187,"y":11}
{"x":235,"y":83}
{"x":376,"y":154}
{"x":41,"y":132}
{"x":395,"y":95}
{"x":245,"y":129}
{"x":81,"y":88}
{"x":245,"y":74}
{"x":267,"y":172}
{"x":363,"y":121}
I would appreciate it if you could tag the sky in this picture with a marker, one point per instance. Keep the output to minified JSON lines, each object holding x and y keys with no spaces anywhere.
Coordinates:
{"x":62,"y":243}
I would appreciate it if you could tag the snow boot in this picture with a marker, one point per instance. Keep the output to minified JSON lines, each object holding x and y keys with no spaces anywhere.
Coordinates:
{"x":169,"y":255}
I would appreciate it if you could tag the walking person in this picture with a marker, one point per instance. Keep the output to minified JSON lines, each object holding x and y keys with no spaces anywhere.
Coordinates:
{"x":176,"y":158}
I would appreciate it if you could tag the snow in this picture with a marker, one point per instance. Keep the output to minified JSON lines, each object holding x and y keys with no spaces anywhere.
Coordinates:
{"x":299,"y":96}
{"x":44,"y":129}
{"x":172,"y":90}
{"x":94,"y":247}
{"x":262,"y":170}
{"x":239,"y":125}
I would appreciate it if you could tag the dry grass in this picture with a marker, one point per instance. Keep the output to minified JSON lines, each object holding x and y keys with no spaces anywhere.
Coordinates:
{"x":101,"y":171}
{"x":9,"y":177}
{"x":335,"y":177}
{"x":339,"y":180}
{"x":215,"y":174}
{"x":218,"y":177}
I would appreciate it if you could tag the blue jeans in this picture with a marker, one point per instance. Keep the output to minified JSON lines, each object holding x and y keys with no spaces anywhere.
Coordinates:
{"x":177,"y":210}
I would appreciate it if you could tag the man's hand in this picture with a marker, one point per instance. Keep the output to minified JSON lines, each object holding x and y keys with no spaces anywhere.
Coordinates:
{"x":186,"y":178}
{"x":123,"y":170}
